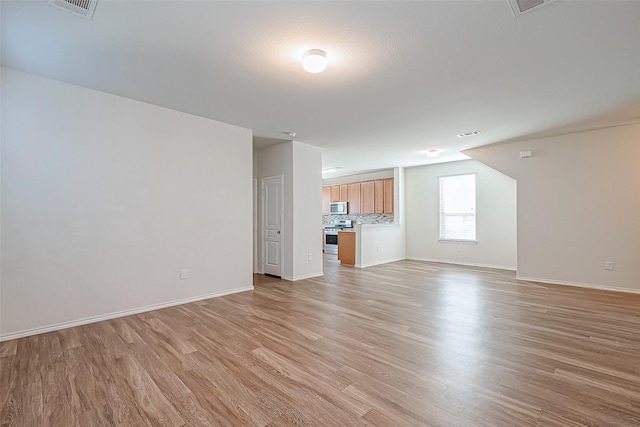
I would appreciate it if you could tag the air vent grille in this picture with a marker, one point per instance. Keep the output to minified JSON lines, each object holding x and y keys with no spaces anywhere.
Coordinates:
{"x":518,"y":7}
{"x":464,"y":135}
{"x":84,"y":8}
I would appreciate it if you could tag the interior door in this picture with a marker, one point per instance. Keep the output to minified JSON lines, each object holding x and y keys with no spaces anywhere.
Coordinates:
{"x":272,"y":219}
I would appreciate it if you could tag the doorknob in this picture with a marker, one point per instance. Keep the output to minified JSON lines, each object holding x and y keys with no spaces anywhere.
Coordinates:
{"x":278,"y":231}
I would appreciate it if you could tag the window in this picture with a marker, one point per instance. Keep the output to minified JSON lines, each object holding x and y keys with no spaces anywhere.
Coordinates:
{"x":458,"y":207}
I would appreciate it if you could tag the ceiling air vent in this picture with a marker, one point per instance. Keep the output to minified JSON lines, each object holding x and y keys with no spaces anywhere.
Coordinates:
{"x":84,"y":8}
{"x":518,"y":7}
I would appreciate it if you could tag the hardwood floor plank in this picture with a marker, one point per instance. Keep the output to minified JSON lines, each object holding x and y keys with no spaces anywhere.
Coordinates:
{"x":8,"y":348}
{"x":56,"y":393}
{"x":147,"y":395}
{"x":408,"y":343}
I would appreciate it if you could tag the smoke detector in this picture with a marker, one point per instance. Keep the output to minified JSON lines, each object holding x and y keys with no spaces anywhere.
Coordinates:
{"x":518,"y":7}
{"x":84,"y":8}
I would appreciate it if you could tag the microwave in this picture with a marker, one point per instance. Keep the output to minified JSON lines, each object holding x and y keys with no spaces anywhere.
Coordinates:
{"x":338,"y":208}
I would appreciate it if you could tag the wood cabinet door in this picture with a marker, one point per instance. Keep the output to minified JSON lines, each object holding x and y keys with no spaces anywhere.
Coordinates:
{"x":347,"y":248}
{"x":344,"y":194}
{"x":326,"y":200}
{"x":353,"y":197}
{"x":367,"y":197}
{"x":335,"y":193}
{"x":378,"y":192}
{"x":388,"y":196}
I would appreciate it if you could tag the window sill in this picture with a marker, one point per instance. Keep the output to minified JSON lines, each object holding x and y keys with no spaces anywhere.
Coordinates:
{"x":468,"y":242}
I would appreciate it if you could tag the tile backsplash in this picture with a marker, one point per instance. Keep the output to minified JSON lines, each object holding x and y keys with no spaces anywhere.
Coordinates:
{"x":359,"y":219}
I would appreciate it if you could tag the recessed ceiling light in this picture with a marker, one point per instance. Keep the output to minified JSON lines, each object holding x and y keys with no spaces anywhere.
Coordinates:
{"x":314,"y":61}
{"x":462,"y":135}
{"x":433,"y":153}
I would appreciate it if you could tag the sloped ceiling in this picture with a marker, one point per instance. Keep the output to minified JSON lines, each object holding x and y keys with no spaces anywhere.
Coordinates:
{"x":403,"y":77}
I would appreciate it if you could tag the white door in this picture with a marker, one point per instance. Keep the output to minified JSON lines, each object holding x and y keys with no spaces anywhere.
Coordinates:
{"x":272,"y":219}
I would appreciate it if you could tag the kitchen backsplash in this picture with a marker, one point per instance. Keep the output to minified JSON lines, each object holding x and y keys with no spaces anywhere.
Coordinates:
{"x":359,"y":219}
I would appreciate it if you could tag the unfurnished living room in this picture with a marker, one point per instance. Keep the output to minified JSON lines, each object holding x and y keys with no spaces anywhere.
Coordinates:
{"x":327,"y":213}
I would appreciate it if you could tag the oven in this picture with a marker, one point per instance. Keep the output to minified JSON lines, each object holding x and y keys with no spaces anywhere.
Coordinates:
{"x":331,"y":241}
{"x":331,"y":235}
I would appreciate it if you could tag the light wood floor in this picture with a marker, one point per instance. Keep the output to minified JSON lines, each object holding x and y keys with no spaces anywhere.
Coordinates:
{"x":407,"y":343}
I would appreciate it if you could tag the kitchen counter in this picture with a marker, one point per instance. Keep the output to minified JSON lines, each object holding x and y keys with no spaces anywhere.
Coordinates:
{"x":378,"y":243}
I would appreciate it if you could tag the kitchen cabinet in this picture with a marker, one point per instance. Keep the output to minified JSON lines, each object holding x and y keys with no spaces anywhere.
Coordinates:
{"x":353,"y":197}
{"x":335,"y":193}
{"x":344,"y":193}
{"x":388,"y":196}
{"x":326,"y":200}
{"x":378,"y":196}
{"x":347,"y":247}
{"x":367,"y":197}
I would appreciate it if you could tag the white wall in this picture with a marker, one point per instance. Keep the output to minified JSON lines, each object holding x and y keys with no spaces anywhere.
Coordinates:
{"x":105,"y":199}
{"x":301,"y":165}
{"x":307,"y":211}
{"x":578,"y":206}
{"x":495,"y":216}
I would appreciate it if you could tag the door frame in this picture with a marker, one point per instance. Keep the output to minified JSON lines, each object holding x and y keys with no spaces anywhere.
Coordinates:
{"x":256,"y":230}
{"x":263,"y":244}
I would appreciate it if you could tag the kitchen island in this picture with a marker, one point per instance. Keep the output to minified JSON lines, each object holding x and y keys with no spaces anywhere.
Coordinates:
{"x":371,"y":244}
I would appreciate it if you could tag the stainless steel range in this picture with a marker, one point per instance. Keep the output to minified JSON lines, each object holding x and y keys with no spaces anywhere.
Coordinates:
{"x":331,"y":235}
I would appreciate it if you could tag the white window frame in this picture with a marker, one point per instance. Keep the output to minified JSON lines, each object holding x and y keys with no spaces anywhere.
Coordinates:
{"x":442,"y":214}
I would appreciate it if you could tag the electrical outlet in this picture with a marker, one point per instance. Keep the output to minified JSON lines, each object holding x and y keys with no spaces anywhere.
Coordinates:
{"x":608,"y":265}
{"x":378,"y":248}
{"x":184,"y":274}
{"x":309,"y":256}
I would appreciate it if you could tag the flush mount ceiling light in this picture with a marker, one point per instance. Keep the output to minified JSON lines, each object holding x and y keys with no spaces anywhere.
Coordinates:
{"x":433,"y":153}
{"x":314,"y":61}
{"x":329,"y":170}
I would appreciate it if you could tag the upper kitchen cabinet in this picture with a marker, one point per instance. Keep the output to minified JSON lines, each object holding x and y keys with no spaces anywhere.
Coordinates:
{"x":367,"y":197}
{"x":378,"y":197}
{"x":326,"y":200}
{"x":339,"y":193}
{"x":388,"y":196}
{"x":335,"y":193}
{"x":344,"y":193}
{"x":353,"y":197}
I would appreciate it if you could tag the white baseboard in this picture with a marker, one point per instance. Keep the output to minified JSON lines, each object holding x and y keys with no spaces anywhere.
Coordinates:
{"x":579,"y":285}
{"x":87,"y":320}
{"x":304,"y":276}
{"x":466,"y":264}
{"x":386,"y":261}
{"x":308,"y":276}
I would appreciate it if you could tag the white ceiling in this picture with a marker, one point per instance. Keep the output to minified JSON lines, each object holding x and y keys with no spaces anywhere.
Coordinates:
{"x":403,"y":77}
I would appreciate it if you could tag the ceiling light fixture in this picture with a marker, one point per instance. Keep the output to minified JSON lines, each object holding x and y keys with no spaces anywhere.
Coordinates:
{"x":433,"y":153}
{"x":314,"y":61}
{"x":329,"y":170}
